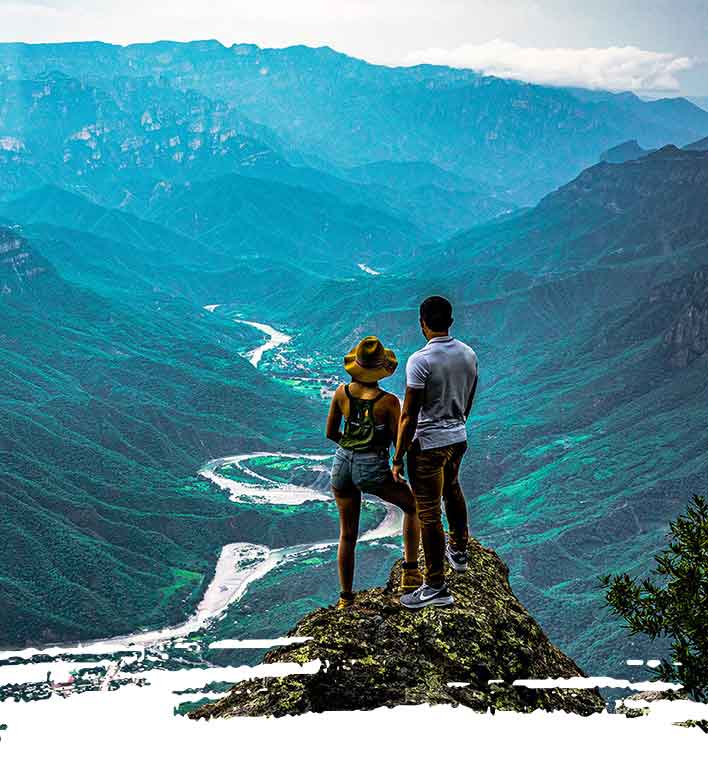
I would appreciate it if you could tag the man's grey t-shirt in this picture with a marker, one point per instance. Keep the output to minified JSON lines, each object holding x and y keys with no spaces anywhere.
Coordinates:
{"x":447,"y":369}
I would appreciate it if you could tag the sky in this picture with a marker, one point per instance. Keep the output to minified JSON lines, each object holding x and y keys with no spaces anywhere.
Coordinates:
{"x":654,"y":47}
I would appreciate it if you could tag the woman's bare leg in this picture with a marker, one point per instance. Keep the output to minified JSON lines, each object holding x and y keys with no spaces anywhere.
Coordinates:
{"x":401,"y":495}
{"x":349,"y":505}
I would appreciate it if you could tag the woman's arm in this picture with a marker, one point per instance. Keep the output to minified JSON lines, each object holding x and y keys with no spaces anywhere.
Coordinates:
{"x":393,"y":416}
{"x":334,"y":418}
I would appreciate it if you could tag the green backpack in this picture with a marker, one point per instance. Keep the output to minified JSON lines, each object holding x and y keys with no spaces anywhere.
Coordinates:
{"x":360,"y":432}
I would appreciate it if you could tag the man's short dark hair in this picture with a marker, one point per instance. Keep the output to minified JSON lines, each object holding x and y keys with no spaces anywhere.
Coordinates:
{"x":436,"y":312}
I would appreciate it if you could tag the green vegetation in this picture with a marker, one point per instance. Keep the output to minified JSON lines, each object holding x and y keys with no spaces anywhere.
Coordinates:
{"x":138,"y":198}
{"x":674,"y":605}
{"x":183,"y":580}
{"x":110,"y":405}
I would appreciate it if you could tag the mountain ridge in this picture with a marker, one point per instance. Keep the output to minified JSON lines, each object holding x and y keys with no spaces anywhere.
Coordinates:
{"x":526,"y":138}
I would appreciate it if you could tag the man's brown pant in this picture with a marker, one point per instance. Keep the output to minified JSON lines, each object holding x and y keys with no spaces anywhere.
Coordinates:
{"x":433,"y":475}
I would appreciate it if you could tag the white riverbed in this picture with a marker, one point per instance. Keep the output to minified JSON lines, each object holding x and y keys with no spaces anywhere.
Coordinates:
{"x":275,"y":339}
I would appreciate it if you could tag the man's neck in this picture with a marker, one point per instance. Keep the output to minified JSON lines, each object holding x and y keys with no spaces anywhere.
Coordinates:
{"x":444,"y":334}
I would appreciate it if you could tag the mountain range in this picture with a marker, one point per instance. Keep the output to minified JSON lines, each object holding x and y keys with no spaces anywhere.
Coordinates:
{"x":337,"y":112}
{"x":326,"y":196}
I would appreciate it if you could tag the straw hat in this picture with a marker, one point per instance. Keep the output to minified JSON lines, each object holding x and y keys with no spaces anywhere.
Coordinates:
{"x":370,"y":361}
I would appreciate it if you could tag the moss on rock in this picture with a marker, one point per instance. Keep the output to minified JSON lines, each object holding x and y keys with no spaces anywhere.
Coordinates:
{"x":377,"y":653}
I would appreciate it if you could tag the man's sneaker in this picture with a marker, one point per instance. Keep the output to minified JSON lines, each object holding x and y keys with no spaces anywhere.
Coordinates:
{"x":457,"y":560}
{"x":427,"y":596}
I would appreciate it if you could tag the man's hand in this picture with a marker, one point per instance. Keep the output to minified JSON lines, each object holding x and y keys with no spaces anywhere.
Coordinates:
{"x":397,"y":472}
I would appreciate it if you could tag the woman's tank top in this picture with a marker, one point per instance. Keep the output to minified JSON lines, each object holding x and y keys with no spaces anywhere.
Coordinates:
{"x":361,"y":433}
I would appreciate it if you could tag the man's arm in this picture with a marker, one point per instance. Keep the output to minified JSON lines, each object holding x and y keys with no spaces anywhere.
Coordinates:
{"x":470,"y":400}
{"x":334,"y":419}
{"x":406,"y":428}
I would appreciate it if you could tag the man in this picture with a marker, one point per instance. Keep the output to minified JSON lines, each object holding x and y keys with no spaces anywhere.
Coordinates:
{"x":441,"y":380}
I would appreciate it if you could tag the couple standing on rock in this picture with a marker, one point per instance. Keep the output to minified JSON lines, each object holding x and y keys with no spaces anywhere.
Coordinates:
{"x":441,"y":380}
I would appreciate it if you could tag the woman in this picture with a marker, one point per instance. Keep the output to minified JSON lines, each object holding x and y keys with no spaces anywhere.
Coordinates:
{"x":361,"y":462}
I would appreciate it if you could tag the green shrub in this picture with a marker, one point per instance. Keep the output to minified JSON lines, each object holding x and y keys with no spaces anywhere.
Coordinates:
{"x":674,"y":602}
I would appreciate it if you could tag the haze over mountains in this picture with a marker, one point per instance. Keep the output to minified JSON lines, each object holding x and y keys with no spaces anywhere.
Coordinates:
{"x":138,"y":184}
{"x":339,"y":112}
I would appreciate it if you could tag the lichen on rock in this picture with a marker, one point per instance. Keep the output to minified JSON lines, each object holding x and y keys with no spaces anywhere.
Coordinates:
{"x":376,"y":653}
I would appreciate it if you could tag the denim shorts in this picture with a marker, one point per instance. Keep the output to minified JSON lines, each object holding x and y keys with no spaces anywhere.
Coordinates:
{"x":365,"y":470}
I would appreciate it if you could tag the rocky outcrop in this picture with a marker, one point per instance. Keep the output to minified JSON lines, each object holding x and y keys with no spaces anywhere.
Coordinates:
{"x":377,"y":653}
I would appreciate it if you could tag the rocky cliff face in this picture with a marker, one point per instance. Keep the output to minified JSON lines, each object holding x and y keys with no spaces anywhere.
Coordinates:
{"x":687,"y":338}
{"x":19,"y":264}
{"x":377,"y":653}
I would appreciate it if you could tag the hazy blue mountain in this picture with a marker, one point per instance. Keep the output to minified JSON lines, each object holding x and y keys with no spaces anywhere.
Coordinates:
{"x":402,"y":175}
{"x":439,"y":201}
{"x":52,"y":205}
{"x":631,"y":214}
{"x":255,"y":219}
{"x":699,"y":100}
{"x":700,"y":145}
{"x":525,"y":139}
{"x":626,"y":151}
{"x":128,"y":140}
{"x":117,"y":145}
{"x":114,"y":253}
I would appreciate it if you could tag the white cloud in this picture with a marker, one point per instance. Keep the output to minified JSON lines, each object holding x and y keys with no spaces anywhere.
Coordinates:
{"x":611,"y":68}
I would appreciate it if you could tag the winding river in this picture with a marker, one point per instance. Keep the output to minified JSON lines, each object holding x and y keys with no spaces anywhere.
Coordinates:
{"x":241,"y":564}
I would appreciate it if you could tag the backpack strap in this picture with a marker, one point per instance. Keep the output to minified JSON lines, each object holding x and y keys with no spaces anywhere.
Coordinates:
{"x":377,"y":398}
{"x":381,"y":394}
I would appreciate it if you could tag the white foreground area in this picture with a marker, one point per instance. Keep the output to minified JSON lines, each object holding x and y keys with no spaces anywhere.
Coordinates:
{"x":132,"y":723}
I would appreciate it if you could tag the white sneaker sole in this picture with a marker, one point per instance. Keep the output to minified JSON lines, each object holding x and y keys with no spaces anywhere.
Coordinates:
{"x":456,"y":566}
{"x":441,"y":601}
